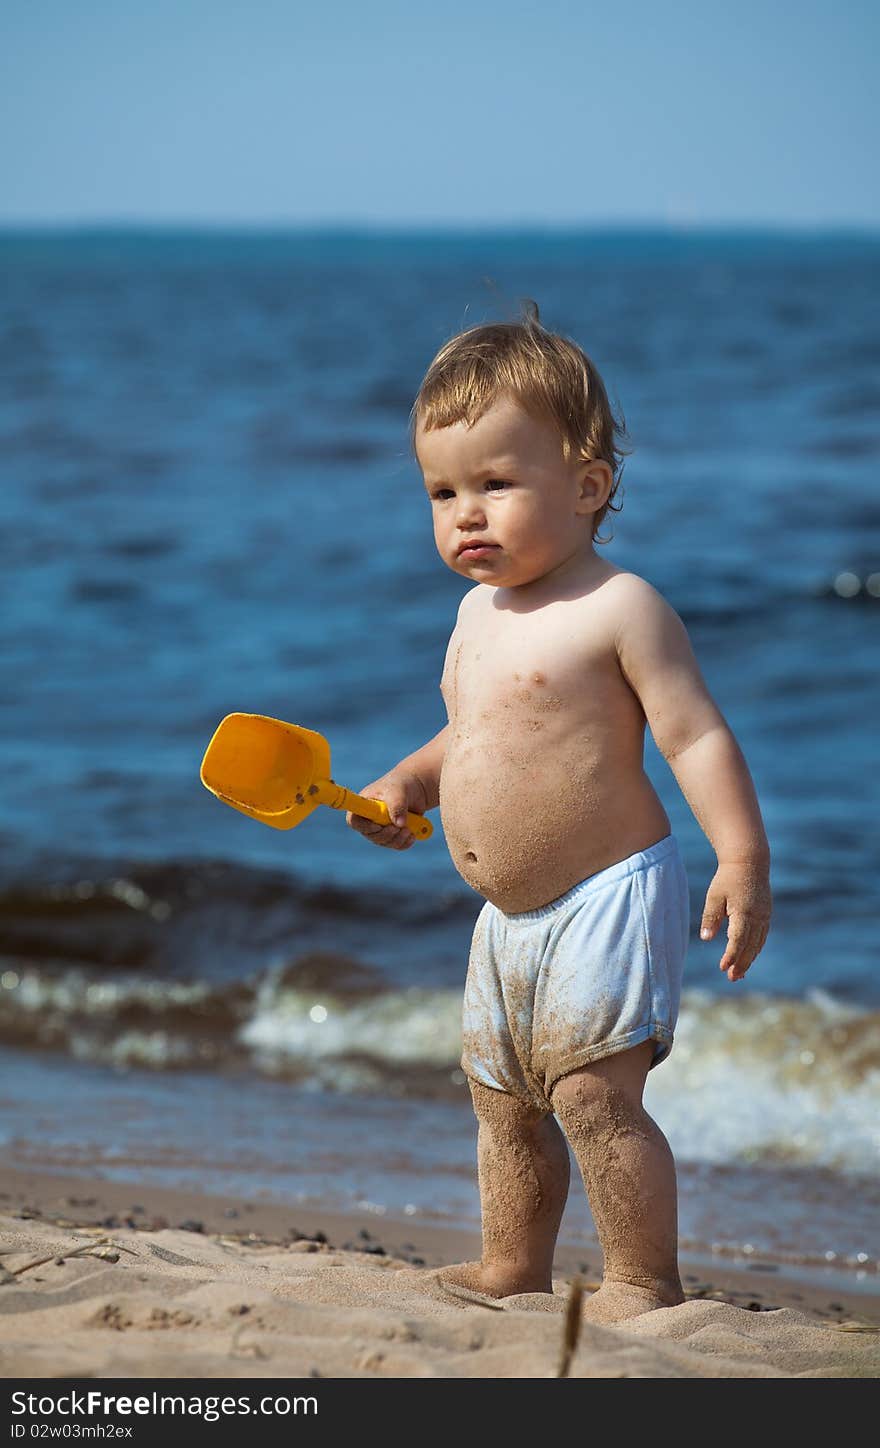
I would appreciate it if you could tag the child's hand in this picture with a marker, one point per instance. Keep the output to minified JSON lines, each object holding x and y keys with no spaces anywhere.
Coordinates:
{"x":740,"y":891}
{"x":401,"y":792}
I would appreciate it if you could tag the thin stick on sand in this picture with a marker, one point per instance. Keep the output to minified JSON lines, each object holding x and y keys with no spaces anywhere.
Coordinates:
{"x":572,"y":1327}
{"x":464,"y":1295}
{"x":95,"y":1249}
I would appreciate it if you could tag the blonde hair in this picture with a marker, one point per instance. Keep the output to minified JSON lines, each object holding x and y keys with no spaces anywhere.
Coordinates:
{"x":549,"y":375}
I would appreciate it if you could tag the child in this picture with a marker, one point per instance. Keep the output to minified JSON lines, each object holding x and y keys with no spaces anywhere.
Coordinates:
{"x":557,"y":661}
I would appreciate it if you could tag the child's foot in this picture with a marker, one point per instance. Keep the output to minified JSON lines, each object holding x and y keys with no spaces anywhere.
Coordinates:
{"x":616,"y":1301}
{"x":491,"y":1281}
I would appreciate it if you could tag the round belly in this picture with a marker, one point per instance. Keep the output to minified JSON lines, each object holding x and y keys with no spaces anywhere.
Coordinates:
{"x":521,"y":836}
{"x":523,"y":827}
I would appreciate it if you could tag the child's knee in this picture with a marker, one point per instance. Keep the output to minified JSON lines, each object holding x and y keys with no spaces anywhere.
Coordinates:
{"x":501,"y":1110}
{"x":586,"y":1102}
{"x":579,"y":1097}
{"x":613,"y":1084}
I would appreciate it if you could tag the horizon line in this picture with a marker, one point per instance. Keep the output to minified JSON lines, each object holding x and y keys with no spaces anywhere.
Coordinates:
{"x":408,"y":228}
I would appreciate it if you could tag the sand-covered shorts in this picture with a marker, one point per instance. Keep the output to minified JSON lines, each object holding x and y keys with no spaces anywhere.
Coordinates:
{"x":594,"y":972}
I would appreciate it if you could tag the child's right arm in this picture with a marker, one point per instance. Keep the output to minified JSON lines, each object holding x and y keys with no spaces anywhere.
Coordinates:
{"x":413,"y":784}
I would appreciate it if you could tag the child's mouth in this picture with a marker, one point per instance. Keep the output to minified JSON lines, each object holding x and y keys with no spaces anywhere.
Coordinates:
{"x":482,"y":550}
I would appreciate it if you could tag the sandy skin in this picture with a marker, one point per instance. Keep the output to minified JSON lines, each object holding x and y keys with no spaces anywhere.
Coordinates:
{"x":628,"y":1174}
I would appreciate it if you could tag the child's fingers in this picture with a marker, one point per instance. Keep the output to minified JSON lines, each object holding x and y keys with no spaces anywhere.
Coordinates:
{"x":361,"y":824}
{"x":713,"y":914}
{"x":388,"y":836}
{"x":737,"y":936}
{"x":742,"y":947}
{"x":396,"y":835}
{"x":763,"y":931}
{"x":391,"y":836}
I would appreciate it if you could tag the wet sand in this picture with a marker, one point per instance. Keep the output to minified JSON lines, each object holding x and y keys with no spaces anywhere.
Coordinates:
{"x":145,"y":1281}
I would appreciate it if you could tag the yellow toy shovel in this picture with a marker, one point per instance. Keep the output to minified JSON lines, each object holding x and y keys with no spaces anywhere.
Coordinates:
{"x":278,"y":773}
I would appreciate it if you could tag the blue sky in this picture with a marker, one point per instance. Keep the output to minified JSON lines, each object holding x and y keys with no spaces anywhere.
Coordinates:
{"x":471,"y":112}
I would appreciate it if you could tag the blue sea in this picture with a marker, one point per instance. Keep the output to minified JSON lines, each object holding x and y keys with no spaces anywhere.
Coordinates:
{"x":209,"y":505}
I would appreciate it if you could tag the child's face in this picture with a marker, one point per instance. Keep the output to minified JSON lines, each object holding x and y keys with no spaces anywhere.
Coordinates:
{"x":505,"y":485}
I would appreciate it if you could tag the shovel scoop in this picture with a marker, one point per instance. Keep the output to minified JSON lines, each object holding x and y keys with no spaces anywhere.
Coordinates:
{"x":278,"y":773}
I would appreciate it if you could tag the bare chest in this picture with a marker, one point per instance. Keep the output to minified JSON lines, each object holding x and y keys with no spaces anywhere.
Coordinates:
{"x":555,"y":668}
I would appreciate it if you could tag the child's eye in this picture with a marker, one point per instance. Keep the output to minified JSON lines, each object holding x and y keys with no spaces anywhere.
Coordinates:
{"x":442,"y":494}
{"x":497,"y":483}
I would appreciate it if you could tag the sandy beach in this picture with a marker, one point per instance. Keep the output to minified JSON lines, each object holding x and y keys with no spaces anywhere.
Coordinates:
{"x":109,"y":1279}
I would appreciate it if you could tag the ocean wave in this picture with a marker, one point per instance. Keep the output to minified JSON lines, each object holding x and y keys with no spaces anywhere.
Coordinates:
{"x":325,"y":1019}
{"x":210,"y":918}
{"x":773,"y":1080}
{"x":759,"y":1079}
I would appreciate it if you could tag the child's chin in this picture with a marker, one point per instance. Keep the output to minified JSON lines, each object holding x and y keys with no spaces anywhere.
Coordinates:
{"x":488,"y":568}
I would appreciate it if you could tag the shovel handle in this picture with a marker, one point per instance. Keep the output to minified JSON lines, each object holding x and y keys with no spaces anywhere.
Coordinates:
{"x":377,"y":811}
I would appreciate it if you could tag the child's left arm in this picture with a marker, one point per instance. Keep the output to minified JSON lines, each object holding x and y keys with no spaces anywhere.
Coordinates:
{"x":658,"y":663}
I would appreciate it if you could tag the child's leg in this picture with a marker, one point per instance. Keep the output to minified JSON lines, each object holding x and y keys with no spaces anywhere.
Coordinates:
{"x":523,"y":1170}
{"x":629,"y":1176}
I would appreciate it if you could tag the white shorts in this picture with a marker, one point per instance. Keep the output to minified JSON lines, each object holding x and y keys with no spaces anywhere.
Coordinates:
{"x":594,"y":972}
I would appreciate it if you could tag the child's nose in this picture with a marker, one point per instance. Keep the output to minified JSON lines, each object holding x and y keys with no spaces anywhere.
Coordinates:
{"x":470,"y":510}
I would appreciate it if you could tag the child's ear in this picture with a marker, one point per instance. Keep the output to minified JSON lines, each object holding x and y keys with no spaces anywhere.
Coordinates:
{"x":595,"y":481}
